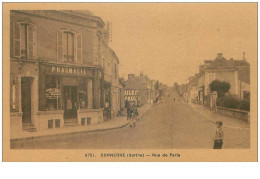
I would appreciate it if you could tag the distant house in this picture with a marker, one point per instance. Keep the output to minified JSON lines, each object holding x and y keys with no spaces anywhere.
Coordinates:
{"x":138,"y":88}
{"x":235,"y":72}
{"x":192,"y":94}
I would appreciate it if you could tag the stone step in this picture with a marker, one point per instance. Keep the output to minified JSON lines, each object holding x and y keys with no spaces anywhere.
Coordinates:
{"x":29,"y":127}
{"x":71,"y":122}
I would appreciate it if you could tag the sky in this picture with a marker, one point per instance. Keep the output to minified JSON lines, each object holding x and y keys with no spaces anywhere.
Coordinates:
{"x":168,"y":41}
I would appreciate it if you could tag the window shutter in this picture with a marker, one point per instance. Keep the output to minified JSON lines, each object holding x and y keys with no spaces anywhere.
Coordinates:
{"x":59,"y":46}
{"x":30,"y":41}
{"x":17,"y":39}
{"x":79,"y":48}
{"x":34,"y":42}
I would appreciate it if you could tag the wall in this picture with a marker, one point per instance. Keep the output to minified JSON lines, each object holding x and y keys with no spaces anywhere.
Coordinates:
{"x":227,"y":76}
{"x":44,"y":116}
{"x":16,"y":122}
{"x":239,"y":114}
{"x":96,"y":115}
{"x":243,"y":87}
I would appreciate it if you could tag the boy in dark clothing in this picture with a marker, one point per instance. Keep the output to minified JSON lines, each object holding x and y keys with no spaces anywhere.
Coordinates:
{"x":218,"y":140}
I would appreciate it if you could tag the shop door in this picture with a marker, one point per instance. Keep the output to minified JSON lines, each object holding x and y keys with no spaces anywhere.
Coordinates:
{"x":26,"y":83}
{"x":70,"y":102}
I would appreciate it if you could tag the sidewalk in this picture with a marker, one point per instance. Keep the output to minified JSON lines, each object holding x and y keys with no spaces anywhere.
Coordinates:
{"x":115,"y":123}
{"x":228,"y":122}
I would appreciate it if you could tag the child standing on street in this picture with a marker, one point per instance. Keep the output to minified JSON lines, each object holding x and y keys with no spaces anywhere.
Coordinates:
{"x":218,"y":140}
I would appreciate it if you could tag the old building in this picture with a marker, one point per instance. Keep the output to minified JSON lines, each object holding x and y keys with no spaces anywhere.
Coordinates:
{"x":111,"y":87}
{"x":192,"y":93}
{"x":56,"y":69}
{"x":139,"y":88}
{"x":235,"y":72}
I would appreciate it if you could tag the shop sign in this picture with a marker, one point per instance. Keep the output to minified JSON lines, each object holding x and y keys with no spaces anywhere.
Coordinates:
{"x":53,"y":93}
{"x":70,"y":70}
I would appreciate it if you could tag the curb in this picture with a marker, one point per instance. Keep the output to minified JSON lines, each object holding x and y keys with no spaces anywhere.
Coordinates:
{"x":76,"y":132}
{"x":69,"y":133}
{"x":213,"y":121}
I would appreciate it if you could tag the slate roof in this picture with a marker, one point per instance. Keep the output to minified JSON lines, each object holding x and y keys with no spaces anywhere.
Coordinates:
{"x":137,"y":82}
{"x":221,"y":63}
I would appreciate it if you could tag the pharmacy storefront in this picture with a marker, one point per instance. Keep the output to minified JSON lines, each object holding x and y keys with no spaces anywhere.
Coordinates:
{"x":67,"y":94}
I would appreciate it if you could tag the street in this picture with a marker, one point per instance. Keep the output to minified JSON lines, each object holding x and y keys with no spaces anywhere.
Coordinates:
{"x":169,"y":124}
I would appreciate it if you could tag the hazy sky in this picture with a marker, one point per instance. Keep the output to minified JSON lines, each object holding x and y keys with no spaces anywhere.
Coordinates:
{"x":168,"y":42}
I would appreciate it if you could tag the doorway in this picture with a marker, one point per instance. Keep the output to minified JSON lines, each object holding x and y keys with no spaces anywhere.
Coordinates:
{"x":26,"y":87}
{"x":70,"y":102}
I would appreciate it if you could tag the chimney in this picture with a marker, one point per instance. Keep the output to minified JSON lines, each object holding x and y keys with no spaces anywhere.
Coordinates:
{"x":219,"y":55}
{"x":244,"y":55}
{"x":131,"y":76}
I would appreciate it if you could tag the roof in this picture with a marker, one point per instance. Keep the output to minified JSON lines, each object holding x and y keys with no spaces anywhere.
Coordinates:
{"x":220,"y":63}
{"x":240,"y":62}
{"x":137,"y":82}
{"x":133,"y":83}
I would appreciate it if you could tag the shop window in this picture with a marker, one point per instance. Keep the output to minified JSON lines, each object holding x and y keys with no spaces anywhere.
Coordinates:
{"x":83,"y":98}
{"x":90,"y":94}
{"x":50,"y":124}
{"x":82,"y":121}
{"x":24,"y":40}
{"x":89,"y":121}
{"x":53,"y":93}
{"x":57,"y":123}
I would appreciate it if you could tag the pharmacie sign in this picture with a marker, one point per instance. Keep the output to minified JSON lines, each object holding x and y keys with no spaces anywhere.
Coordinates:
{"x":68,"y":70}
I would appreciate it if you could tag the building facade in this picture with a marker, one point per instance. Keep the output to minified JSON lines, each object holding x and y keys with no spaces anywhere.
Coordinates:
{"x":56,"y":72}
{"x":235,"y":72}
{"x":111,"y":86}
{"x":139,"y":89}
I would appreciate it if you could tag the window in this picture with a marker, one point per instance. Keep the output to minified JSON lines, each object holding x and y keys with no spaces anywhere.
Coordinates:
{"x":53,"y":93}
{"x":50,"y":123}
{"x":89,"y":121}
{"x":24,"y":40}
{"x":57,"y":123}
{"x":82,"y":121}
{"x":83,"y":97}
{"x":90,"y":94}
{"x":69,"y":46}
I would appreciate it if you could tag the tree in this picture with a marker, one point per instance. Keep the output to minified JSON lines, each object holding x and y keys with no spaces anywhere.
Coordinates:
{"x":221,"y":87}
{"x":156,"y":85}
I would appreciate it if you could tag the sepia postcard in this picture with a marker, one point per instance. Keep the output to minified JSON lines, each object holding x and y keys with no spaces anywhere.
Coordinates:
{"x":130,"y":82}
